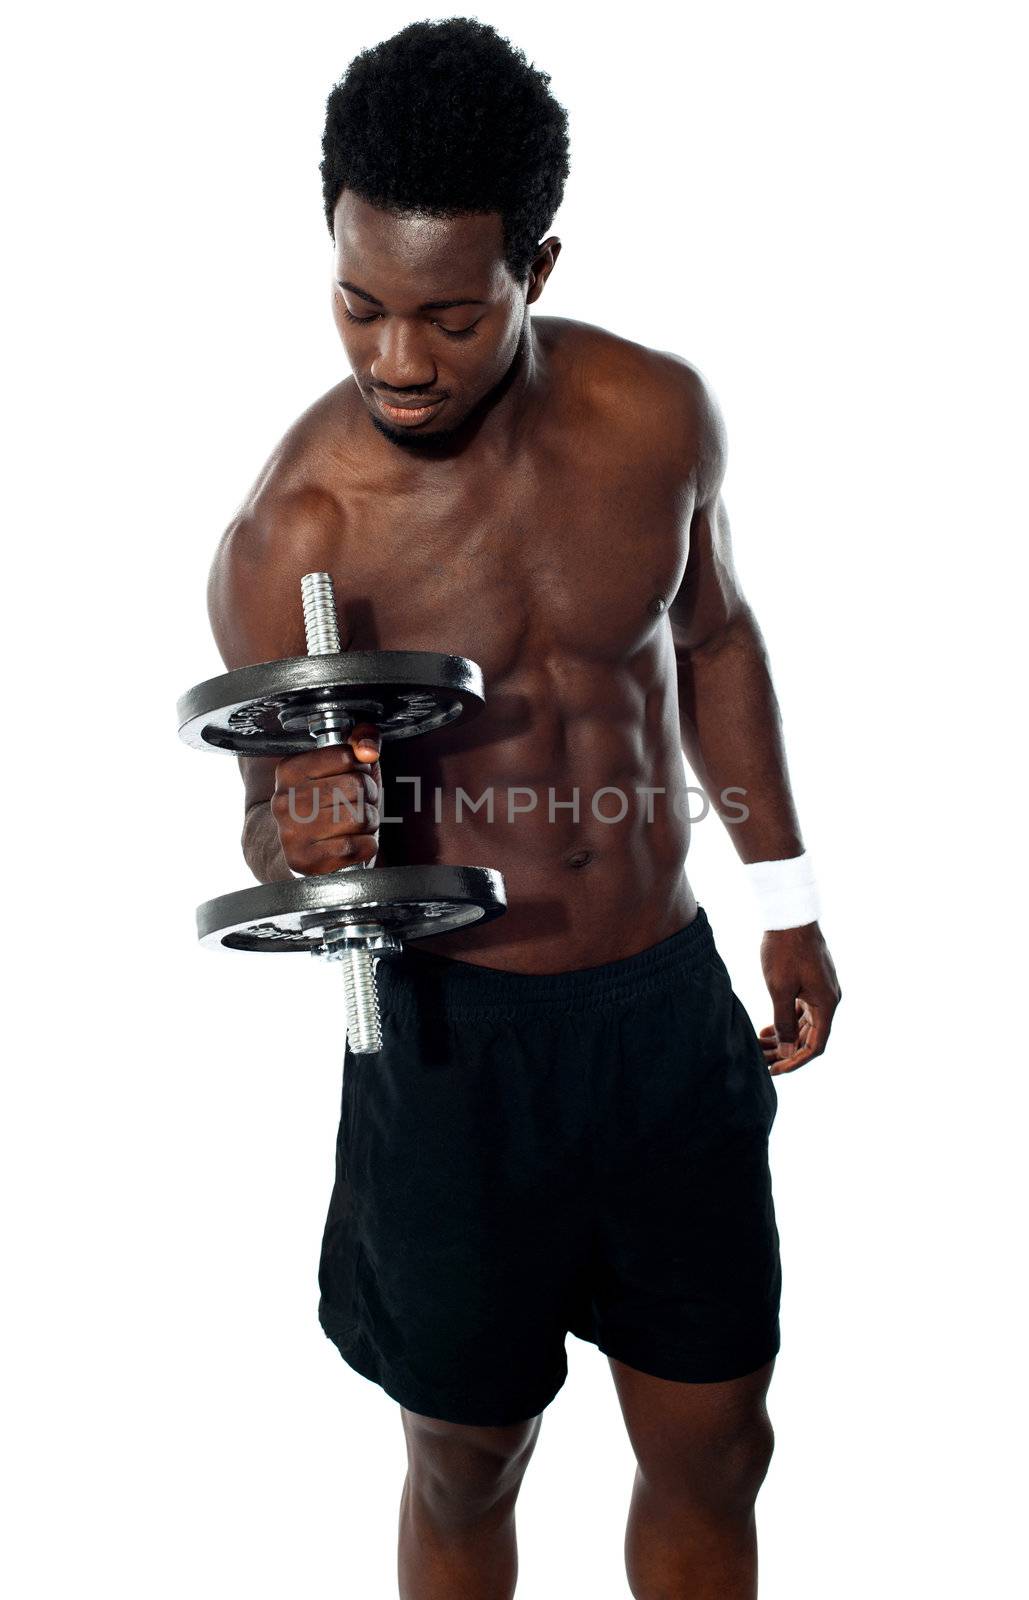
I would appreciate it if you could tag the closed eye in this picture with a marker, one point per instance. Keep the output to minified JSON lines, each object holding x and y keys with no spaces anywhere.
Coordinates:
{"x":451,"y":333}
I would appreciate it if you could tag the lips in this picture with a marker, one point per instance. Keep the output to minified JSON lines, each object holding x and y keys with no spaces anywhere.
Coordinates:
{"x":405,"y":413}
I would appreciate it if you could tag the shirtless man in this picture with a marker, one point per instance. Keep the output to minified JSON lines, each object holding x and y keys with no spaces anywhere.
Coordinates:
{"x":567,"y":1125}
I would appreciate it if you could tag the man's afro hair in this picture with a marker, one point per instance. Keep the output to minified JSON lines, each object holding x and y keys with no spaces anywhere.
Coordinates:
{"x":445,"y":118}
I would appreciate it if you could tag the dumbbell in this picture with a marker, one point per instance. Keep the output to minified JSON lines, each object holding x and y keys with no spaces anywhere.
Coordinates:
{"x":357,"y":914}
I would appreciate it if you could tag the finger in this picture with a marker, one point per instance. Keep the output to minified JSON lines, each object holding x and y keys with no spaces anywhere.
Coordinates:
{"x":817,"y":1036}
{"x":365,"y":820}
{"x":791,"y":1062}
{"x":366,"y":742}
{"x":822,"y":1009}
{"x":324,"y":807}
{"x":768,"y":1042}
{"x":341,"y":787}
{"x":785,"y":1018}
{"x":348,"y":797}
{"x":328,"y":855}
{"x":326,"y":761}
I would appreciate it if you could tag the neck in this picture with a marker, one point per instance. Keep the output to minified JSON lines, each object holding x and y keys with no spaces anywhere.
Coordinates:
{"x":510,"y":409}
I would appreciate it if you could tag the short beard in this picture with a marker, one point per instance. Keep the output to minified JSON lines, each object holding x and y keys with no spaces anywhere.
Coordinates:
{"x":424,"y":444}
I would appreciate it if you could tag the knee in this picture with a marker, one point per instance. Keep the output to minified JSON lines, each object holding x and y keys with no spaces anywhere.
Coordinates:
{"x":718,"y":1473}
{"x":459,"y":1475}
{"x":742,"y":1466}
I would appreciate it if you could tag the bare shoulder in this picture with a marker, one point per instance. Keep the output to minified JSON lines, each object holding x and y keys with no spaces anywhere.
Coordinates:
{"x":700,"y":425}
{"x":663,"y":401}
{"x":291,"y":521}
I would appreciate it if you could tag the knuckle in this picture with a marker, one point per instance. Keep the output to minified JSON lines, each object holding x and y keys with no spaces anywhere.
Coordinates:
{"x":340,"y":794}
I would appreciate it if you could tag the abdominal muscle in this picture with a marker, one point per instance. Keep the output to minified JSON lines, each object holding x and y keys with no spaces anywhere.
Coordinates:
{"x":579,"y":892}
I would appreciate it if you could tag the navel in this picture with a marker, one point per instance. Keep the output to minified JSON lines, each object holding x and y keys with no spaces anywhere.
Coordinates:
{"x":580,"y":858}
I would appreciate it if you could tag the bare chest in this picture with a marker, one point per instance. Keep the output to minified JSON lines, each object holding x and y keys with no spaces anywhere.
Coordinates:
{"x":535,"y":569}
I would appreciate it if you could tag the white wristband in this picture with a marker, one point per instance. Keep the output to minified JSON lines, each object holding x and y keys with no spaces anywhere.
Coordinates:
{"x":786,"y":894}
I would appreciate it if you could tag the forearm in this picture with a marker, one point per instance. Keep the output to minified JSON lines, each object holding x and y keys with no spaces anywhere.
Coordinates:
{"x":731,"y":733}
{"x":262,"y":850}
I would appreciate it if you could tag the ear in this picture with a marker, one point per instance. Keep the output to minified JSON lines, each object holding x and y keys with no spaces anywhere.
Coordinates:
{"x":542,"y":266}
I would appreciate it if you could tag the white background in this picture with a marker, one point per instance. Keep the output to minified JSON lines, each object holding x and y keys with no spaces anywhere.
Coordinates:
{"x":822,"y":206}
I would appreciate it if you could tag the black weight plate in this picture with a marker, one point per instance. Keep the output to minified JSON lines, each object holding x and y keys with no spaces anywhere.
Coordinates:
{"x":403,"y":692}
{"x":412,"y":902}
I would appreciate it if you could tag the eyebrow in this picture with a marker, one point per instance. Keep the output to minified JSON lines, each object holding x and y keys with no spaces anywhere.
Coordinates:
{"x":426,"y":305}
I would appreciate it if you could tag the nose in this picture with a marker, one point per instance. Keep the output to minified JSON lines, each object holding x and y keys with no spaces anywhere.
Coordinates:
{"x":402,"y":362}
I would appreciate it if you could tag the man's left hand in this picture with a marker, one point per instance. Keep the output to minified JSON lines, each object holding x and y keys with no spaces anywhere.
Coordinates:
{"x":805,"y":992}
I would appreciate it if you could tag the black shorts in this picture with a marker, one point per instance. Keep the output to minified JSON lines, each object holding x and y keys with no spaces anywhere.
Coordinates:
{"x":528,"y":1156}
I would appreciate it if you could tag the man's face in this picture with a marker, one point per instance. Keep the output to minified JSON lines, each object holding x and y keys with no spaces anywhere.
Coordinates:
{"x":429,"y":315}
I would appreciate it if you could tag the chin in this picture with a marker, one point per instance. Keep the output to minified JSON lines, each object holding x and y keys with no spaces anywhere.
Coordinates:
{"x":412,"y":438}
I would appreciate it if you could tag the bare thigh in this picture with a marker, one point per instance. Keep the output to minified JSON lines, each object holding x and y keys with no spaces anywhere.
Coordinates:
{"x":698,"y":1440}
{"x":466,"y":1471}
